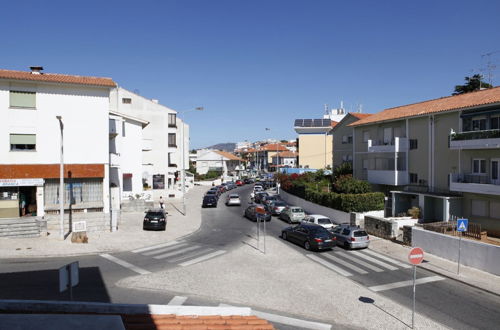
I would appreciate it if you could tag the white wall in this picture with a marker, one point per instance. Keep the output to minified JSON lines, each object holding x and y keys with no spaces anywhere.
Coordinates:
{"x":131,"y":154}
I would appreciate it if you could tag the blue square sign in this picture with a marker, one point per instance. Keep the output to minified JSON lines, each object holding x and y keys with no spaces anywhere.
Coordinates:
{"x":462,"y":224}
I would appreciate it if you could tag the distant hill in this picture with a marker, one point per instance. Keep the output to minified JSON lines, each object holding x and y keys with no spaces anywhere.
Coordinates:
{"x":229,"y":146}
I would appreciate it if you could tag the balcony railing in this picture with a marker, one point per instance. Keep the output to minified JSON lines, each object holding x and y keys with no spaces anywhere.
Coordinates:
{"x":474,"y":183}
{"x":387,"y":177}
{"x":486,"y":139}
{"x":397,"y":144}
{"x":112,"y":128}
{"x":147,"y":144}
{"x":476,"y":135}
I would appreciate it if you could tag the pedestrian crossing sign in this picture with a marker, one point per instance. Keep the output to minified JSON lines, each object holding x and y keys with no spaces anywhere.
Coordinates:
{"x":462,"y":224}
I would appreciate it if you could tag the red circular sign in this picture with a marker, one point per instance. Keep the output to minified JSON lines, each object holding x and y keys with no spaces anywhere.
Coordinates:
{"x":416,"y":256}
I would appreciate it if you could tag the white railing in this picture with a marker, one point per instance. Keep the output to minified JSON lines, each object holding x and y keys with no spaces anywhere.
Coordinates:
{"x":474,"y":183}
{"x":397,"y":144}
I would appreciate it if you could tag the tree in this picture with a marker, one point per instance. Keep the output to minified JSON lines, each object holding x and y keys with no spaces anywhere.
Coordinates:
{"x":472,"y":84}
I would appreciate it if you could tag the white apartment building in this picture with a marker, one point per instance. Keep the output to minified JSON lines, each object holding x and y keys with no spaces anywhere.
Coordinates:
{"x":30,"y":140}
{"x":220,"y":161}
{"x":164,"y":140}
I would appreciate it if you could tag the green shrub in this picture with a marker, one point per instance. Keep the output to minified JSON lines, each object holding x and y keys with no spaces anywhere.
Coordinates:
{"x":346,"y":184}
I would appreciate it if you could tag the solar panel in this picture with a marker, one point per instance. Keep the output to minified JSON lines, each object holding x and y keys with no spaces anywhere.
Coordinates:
{"x":308,"y":122}
{"x":298,"y":123}
{"x":312,"y":123}
{"x":318,"y":123}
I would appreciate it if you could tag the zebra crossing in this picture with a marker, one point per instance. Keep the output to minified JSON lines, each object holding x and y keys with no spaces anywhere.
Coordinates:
{"x":181,"y":253}
{"x":364,"y":262}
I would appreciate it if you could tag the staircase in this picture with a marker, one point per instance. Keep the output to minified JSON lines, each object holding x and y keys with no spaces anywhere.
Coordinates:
{"x":19,"y":228}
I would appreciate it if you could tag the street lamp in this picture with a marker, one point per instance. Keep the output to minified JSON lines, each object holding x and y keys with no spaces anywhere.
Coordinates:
{"x":61,"y":182}
{"x":184,"y":158}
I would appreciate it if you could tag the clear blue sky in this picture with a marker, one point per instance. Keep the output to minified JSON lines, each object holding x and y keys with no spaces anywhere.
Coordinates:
{"x":258,"y":63}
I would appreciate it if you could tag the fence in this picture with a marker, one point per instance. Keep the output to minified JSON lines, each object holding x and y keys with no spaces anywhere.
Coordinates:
{"x":450,"y":228}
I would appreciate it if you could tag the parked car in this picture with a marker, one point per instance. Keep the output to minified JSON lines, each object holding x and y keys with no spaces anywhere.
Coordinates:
{"x":258,"y":198}
{"x":209,"y":201}
{"x":233,"y":199}
{"x":230,"y":185}
{"x":212,"y":193}
{"x":321,"y":220}
{"x":251,"y":213}
{"x":248,"y":180}
{"x":155,"y":220}
{"x":270,"y":198}
{"x":351,"y":237}
{"x":276,"y":207}
{"x":239,"y":182}
{"x":292,"y":214}
{"x":310,"y":236}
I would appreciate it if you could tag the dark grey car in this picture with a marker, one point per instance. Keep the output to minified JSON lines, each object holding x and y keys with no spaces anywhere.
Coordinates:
{"x":250,"y":213}
{"x":310,"y":236}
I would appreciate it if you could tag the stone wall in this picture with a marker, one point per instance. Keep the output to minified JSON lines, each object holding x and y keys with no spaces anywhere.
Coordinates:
{"x":136,"y":205}
{"x":95,"y":221}
{"x":381,"y":227}
{"x":407,"y":230}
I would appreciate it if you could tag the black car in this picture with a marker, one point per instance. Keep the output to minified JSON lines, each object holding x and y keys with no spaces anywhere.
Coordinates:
{"x":251,"y":213}
{"x":155,"y":220}
{"x":259,"y":196}
{"x":212,"y":193}
{"x":310,"y":236}
{"x":209,"y":201}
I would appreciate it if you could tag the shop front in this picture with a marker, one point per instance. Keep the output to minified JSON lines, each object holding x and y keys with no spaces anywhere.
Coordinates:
{"x":20,"y":197}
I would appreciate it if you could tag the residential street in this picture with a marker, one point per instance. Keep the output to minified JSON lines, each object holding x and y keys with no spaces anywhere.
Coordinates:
{"x":223,"y":263}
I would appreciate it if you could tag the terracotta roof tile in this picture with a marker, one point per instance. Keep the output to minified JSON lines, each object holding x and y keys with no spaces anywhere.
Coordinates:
{"x":57,"y":78}
{"x":274,"y":147}
{"x":287,"y":154}
{"x":467,"y":100}
{"x":360,"y":115}
{"x":229,"y":155}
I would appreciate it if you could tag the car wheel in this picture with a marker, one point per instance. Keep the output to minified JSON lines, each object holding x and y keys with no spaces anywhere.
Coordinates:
{"x":289,"y":220}
{"x":347,"y":246}
{"x":307,"y":246}
{"x":284,"y":236}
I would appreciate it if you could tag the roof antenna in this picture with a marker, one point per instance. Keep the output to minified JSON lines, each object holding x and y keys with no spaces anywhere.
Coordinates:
{"x":326,"y":109}
{"x":360,"y":108}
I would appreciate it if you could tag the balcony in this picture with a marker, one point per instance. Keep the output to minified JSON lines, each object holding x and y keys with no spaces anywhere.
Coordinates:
{"x":113,"y":128}
{"x":485,"y":139}
{"x":388,"y":177}
{"x":474,"y":183}
{"x":398,"y":144}
{"x":114,"y":160}
{"x":147,"y":144}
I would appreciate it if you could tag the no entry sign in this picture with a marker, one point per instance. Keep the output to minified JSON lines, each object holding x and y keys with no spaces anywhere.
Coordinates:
{"x":416,"y":256}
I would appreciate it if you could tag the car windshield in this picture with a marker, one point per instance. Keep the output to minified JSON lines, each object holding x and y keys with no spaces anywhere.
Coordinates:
{"x":297,"y":210}
{"x":234,"y":196}
{"x":208,"y":198}
{"x":324,"y":221}
{"x":155,"y":214}
{"x":279,"y":204}
{"x":211,"y":192}
{"x":360,"y":233}
{"x":319,"y":231}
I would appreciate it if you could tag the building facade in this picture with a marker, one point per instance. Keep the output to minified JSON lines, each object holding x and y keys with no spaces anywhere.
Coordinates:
{"x":314,"y":143}
{"x":343,"y":139}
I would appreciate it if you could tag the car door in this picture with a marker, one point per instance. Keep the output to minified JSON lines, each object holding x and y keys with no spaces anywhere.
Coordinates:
{"x":337,"y":233}
{"x":293,"y":235}
{"x":344,"y":235}
{"x":302,"y":235}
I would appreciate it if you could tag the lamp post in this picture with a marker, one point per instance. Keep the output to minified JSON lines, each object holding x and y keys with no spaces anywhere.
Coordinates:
{"x":61,"y":182}
{"x":183,"y":179}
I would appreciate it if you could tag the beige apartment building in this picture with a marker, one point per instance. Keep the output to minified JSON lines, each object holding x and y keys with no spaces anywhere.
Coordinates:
{"x":343,"y":138}
{"x":315,"y":143}
{"x":441,"y":155}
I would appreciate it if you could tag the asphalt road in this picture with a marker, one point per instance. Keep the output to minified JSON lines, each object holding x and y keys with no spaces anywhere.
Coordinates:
{"x":224,"y":228}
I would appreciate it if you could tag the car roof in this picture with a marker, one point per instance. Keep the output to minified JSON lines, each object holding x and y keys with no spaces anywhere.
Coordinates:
{"x":317,"y":216}
{"x":234,"y":195}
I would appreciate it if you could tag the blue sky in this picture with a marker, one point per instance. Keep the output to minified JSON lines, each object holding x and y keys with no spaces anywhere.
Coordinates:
{"x":259,"y":63}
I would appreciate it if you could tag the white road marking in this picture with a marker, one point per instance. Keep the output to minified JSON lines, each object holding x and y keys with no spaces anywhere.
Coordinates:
{"x":401,"y":284}
{"x":202,"y":258}
{"x":375,"y":261}
{"x":360,"y":262}
{"x":169,"y":254}
{"x":329,"y":265}
{"x":165,"y":249}
{"x":381,"y":256}
{"x":190,"y":255}
{"x":125,"y":264}
{"x":155,"y":247}
{"x":292,"y":321}
{"x":346,"y":264}
{"x":177,"y":301}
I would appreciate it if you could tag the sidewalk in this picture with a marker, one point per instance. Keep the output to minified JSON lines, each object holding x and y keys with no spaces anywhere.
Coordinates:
{"x":129,"y":235}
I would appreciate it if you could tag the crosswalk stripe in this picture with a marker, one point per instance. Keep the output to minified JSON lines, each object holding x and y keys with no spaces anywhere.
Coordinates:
{"x":125,"y":264}
{"x":202,"y":258}
{"x":154,"y":247}
{"x":402,"y":284}
{"x":170,"y":254}
{"x":346,"y":264}
{"x":329,"y":265}
{"x":177,"y":301}
{"x":381,"y":256}
{"x":190,"y":255}
{"x":375,"y":261}
{"x":346,"y":255}
{"x":169,"y":248}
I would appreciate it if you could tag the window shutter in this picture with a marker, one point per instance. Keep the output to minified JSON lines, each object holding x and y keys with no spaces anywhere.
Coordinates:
{"x":22,"y":99}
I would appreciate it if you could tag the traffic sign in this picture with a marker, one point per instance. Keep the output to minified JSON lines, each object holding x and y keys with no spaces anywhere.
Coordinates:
{"x":416,"y":256}
{"x":462,"y":225}
{"x":260,"y":210}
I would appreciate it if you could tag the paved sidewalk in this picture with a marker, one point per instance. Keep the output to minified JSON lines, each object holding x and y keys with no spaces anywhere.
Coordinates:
{"x":129,"y":235}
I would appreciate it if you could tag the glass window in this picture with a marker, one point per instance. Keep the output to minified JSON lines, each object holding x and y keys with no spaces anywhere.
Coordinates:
{"x":346,"y":232}
{"x":494,"y":169}
{"x":324,"y":221}
{"x":172,"y":120}
{"x":478,"y":166}
{"x":126,"y":100}
{"x":22,"y":142}
{"x":83,"y":192}
{"x":20,"y":99}
{"x":366,"y":136}
{"x":171,"y":140}
{"x":478,"y":124}
{"x":495,"y":123}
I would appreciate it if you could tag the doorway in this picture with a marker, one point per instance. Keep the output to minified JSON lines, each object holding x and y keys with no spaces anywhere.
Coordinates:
{"x":27,"y":201}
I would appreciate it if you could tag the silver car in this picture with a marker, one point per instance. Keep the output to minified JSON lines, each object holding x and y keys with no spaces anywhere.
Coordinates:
{"x":292,"y":214}
{"x":233,"y":199}
{"x":351,"y":237}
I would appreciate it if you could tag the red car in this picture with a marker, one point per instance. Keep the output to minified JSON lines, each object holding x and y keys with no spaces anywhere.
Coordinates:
{"x":239,"y":183}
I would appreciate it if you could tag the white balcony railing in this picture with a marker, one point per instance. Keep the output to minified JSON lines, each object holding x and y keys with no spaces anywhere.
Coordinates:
{"x":486,"y":139}
{"x":398,"y":144}
{"x":114,"y":160}
{"x":113,"y":127}
{"x":388,"y":177}
{"x":147,"y":144}
{"x":474,"y":183}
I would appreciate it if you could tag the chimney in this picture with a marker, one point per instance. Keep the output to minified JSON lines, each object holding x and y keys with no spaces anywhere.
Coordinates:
{"x":36,"y":69}
{"x":154,"y":100}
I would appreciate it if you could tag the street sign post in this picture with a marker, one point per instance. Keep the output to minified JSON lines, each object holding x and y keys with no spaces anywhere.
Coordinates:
{"x":260,"y":214}
{"x":416,"y":256}
{"x":68,"y":278}
{"x":462,"y":227}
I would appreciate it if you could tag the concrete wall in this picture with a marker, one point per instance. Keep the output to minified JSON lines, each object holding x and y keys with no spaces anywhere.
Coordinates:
{"x":479,"y":255}
{"x":418,"y":159}
{"x":341,"y":148}
{"x":445,"y":159}
{"x":312,"y":150}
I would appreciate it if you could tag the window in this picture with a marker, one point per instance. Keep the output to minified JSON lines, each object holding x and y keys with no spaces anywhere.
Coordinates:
{"x":349,"y":139}
{"x":366,"y":136}
{"x":170,"y":163}
{"x":22,"y":142}
{"x":82,"y":191}
{"x":495,"y":210}
{"x":20,"y":99}
{"x":495,"y":123}
{"x":387,"y":135}
{"x":126,"y":100}
{"x":478,"y":166}
{"x":413,"y":178}
{"x":478,"y":124}
{"x":171,"y":140}
{"x":344,"y":139}
{"x":479,"y":208}
{"x":413,"y":144}
{"x":172,"y":120}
